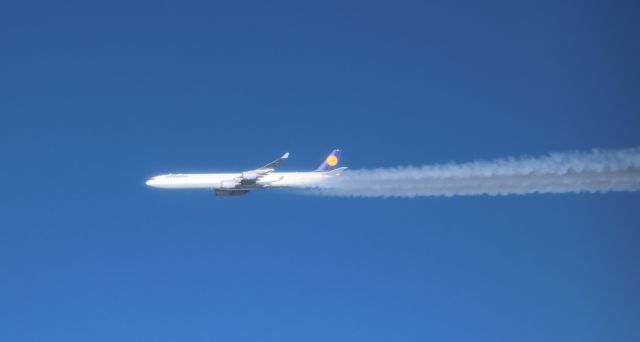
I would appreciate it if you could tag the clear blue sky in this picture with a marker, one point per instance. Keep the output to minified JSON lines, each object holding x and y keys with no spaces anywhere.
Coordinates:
{"x":95,"y":98}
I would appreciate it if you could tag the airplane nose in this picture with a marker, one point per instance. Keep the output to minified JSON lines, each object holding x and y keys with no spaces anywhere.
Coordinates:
{"x":150,"y":182}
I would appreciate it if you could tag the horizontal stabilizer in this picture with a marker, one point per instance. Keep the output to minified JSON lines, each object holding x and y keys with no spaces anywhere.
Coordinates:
{"x":336,"y":171}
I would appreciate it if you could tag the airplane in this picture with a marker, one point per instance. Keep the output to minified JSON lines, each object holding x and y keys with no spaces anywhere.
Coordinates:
{"x":240,"y":183}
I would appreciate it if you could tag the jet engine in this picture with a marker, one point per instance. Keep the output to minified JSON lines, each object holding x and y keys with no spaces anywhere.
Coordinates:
{"x":228,"y":184}
{"x":249,"y":177}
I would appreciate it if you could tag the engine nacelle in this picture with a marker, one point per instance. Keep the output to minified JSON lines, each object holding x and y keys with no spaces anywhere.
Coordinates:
{"x":228,"y":184}
{"x":249,"y":177}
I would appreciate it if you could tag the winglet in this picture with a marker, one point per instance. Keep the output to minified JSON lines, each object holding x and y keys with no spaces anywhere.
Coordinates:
{"x":285,"y":156}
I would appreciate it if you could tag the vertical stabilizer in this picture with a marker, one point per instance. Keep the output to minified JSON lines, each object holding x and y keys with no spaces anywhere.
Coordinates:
{"x":331,"y":162}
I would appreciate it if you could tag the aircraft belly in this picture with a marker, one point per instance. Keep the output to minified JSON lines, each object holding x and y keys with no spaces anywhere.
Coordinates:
{"x":188,"y":186}
{"x":297,"y":180}
{"x":191,"y":184}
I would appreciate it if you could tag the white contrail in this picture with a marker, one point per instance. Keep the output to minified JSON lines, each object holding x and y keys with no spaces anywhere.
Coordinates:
{"x":593,"y":171}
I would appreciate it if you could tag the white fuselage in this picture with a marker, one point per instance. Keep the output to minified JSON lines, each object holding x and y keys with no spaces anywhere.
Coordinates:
{"x":219,"y":180}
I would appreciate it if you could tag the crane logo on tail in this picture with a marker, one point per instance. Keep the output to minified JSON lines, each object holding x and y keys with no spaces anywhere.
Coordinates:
{"x":331,"y":162}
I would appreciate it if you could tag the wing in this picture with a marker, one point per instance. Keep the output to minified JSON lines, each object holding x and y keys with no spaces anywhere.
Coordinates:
{"x":253,"y":177}
{"x":272,"y":166}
